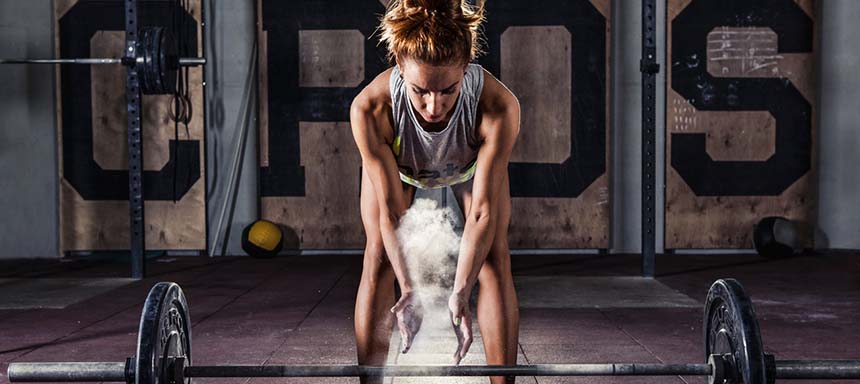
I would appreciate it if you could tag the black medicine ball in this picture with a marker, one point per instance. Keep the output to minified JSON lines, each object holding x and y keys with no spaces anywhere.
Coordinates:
{"x":775,"y":237}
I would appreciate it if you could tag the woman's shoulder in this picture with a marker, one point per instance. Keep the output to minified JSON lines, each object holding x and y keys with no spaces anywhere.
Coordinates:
{"x":375,"y":95}
{"x":495,"y":96}
{"x":374,"y":102}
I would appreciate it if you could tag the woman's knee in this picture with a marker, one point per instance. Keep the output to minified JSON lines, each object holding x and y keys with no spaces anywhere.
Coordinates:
{"x":492,"y":274}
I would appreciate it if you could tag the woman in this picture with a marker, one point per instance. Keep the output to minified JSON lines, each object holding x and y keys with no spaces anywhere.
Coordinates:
{"x":435,"y":120}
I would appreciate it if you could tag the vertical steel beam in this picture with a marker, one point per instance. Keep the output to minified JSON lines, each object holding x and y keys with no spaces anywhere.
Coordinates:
{"x":135,"y":147}
{"x":649,"y":68}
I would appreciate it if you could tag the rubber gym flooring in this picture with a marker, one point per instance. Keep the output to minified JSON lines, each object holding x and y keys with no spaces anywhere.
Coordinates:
{"x":299,"y":310}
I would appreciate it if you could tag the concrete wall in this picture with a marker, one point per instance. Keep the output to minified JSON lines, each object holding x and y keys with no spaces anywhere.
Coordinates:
{"x":626,"y":131}
{"x":28,"y":142}
{"x":28,"y":164}
{"x":839,"y":126}
{"x":28,"y":138}
{"x":231,"y":112}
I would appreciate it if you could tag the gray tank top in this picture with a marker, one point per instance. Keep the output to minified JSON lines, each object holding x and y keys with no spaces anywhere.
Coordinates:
{"x":430,"y":160}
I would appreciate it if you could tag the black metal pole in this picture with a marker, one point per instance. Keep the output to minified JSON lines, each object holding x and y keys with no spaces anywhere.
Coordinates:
{"x":204,"y":31}
{"x":137,"y":238}
{"x":649,"y":68}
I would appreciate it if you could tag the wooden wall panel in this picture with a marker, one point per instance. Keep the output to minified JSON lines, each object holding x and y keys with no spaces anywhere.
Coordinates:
{"x":328,"y":215}
{"x":740,"y":121}
{"x":92,"y":131}
{"x":553,"y":55}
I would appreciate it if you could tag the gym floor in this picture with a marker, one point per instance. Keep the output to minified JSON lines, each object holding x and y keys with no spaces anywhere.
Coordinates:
{"x":298,"y":310}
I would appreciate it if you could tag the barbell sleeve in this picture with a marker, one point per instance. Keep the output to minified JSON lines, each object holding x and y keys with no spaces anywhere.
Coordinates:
{"x":191,"y":61}
{"x":66,"y":372}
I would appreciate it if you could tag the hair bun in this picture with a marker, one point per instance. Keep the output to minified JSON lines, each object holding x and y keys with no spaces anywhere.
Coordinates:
{"x":434,"y":31}
{"x":433,"y":7}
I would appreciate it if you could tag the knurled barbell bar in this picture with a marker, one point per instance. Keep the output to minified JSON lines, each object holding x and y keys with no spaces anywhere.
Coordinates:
{"x":156,"y":61}
{"x":733,"y":350}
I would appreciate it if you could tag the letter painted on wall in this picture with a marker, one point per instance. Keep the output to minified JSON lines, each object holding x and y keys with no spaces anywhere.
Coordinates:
{"x":553,"y":55}
{"x":740,"y":119}
{"x":92,"y":127}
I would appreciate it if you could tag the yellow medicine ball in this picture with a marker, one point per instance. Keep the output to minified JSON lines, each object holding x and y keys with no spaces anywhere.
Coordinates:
{"x":262,"y":238}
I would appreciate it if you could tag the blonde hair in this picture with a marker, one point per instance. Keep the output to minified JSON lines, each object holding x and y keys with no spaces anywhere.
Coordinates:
{"x":437,"y":32}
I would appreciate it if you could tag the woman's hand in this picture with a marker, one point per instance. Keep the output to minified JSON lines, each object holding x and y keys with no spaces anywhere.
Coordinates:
{"x":461,"y":320}
{"x":410,"y":314}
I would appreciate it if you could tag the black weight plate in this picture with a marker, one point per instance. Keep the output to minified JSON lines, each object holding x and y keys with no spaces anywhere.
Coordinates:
{"x":165,"y":331}
{"x":154,"y":69}
{"x":168,"y":61}
{"x":141,"y":54}
{"x":159,"y":63}
{"x":149,"y":85}
{"x":153,"y":64}
{"x":731,"y":328}
{"x":150,"y":61}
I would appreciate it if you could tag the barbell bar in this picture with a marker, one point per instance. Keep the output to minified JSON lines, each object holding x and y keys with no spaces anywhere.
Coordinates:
{"x":119,"y":372}
{"x":183,"y":61}
{"x":733,"y":351}
{"x":155,"y":59}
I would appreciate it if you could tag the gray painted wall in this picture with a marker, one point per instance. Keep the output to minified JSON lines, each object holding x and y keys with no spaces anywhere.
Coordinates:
{"x":231,"y":112}
{"x":28,"y":139}
{"x":28,"y":164}
{"x":626,"y":130}
{"x":839,"y":126}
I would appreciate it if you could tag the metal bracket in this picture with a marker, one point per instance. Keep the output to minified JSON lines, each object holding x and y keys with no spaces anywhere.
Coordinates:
{"x":649,"y":66}
{"x":129,"y":370}
{"x":175,"y":370}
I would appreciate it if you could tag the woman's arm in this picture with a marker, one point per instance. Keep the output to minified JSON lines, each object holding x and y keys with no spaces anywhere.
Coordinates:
{"x":367,"y":117}
{"x":499,"y":127}
{"x":378,"y":161}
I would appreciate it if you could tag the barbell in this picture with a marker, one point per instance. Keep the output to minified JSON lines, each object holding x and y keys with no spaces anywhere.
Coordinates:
{"x":155,"y":59}
{"x":733,"y":350}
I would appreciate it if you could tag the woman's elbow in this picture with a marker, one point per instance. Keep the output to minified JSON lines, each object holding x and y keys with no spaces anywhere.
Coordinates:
{"x":480,"y":213}
{"x":390,"y":214}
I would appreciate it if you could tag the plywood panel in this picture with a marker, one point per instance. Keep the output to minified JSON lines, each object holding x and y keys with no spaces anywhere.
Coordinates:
{"x":310,"y":60}
{"x":536,"y":65}
{"x":328,"y":216}
{"x":99,"y":223}
{"x":532,"y":48}
{"x":758,"y":134}
{"x":562,"y":223}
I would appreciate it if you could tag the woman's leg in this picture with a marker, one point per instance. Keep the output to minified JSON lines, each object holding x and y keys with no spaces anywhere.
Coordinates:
{"x":373,"y":320}
{"x":498,"y":310}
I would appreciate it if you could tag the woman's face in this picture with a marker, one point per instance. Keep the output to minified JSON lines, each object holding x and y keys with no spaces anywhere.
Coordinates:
{"x":432,"y":89}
